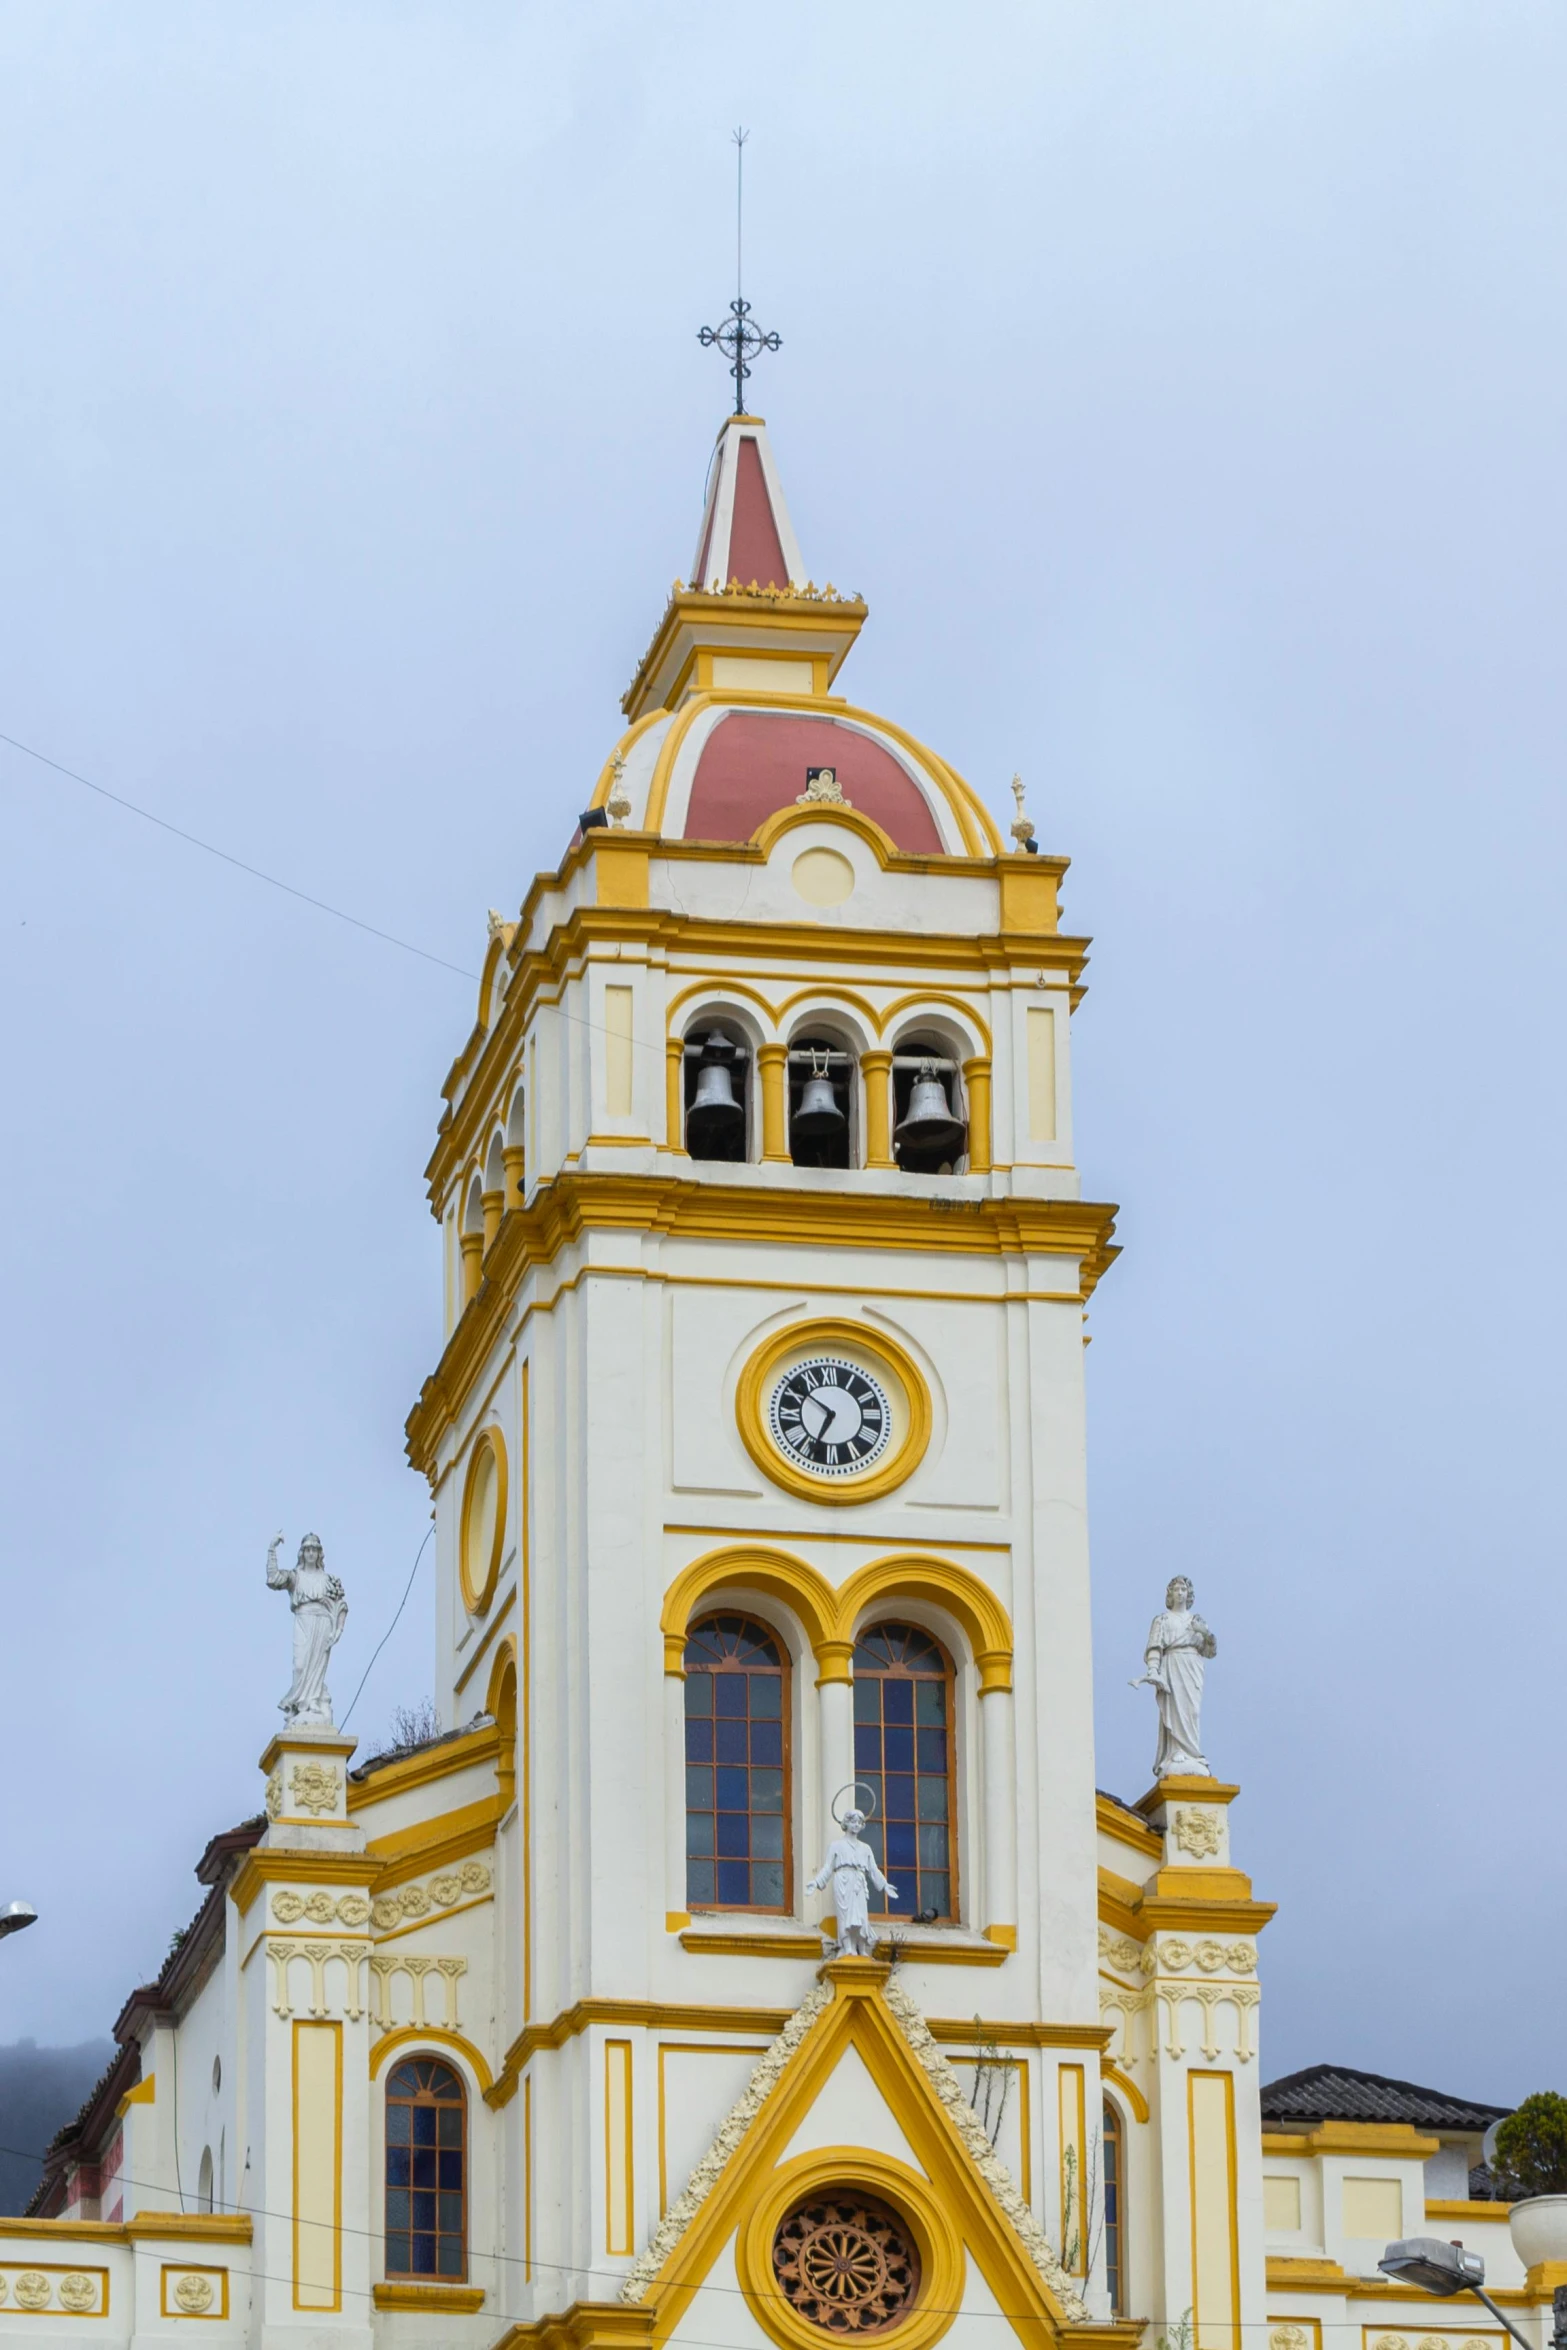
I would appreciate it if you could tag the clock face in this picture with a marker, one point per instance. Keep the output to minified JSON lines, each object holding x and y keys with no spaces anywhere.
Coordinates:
{"x":830,"y":1417}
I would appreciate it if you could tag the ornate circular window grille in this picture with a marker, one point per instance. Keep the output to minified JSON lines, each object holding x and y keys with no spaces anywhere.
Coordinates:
{"x":847,"y":2264}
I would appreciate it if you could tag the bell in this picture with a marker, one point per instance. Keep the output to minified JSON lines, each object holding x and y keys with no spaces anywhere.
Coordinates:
{"x":929,"y":1124}
{"x":818,"y":1118}
{"x":715,"y":1116}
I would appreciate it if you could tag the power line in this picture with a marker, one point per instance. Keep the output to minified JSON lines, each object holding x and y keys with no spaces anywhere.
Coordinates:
{"x":389,"y":937}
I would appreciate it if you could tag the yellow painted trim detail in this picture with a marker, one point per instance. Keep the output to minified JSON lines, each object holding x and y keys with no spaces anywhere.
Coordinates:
{"x":721,"y":1945}
{"x":1112,"y":1821}
{"x":1438,"y":2207}
{"x":479,"y":1654}
{"x":336,"y":2222}
{"x":1005,"y":1937}
{"x":480,"y":1576}
{"x":1113,"y":2078}
{"x":423,"y":1770}
{"x":1397,"y":2138}
{"x":451,"y":1835}
{"x":144,"y":2093}
{"x":1222,"y":2333}
{"x":434,"y":2036}
{"x":854,"y":1338}
{"x":839,"y":2170}
{"x":620,"y":2196}
{"x":397,"y":2295}
{"x":829,"y":1618}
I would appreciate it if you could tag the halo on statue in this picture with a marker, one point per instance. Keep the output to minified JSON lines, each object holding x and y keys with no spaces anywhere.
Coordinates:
{"x":853,"y":1788}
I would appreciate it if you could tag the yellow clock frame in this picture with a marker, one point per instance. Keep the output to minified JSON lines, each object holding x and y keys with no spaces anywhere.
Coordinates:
{"x":878,"y":1354}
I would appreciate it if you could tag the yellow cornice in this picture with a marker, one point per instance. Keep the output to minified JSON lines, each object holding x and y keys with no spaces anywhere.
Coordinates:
{"x":686,"y":1209}
{"x":68,"y":2231}
{"x":422,"y":1770}
{"x":586,"y":2325}
{"x":144,"y":2093}
{"x":389,"y":2294}
{"x":1205,"y":1917}
{"x":1325,"y":2276}
{"x":1187,"y":1787}
{"x":194,"y":2227}
{"x":1113,"y":1821}
{"x":1438,"y":2207}
{"x":431,"y":1844}
{"x":722,"y":620}
{"x":1395,"y":2138}
{"x":261,"y":1868}
{"x":1118,"y":1906}
{"x":713,"y":1943}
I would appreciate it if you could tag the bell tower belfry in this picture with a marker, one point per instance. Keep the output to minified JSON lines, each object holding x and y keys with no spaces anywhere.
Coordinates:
{"x":757,"y":1451}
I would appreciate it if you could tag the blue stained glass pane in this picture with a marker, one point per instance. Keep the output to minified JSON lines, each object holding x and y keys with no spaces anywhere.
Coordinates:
{"x":899,"y":1749}
{"x":936,"y":1892}
{"x":699,"y":1789}
{"x":930,"y":1703}
{"x":404,"y":2081}
{"x":897,"y":1701}
{"x":450,"y":2209}
{"x":397,"y":2171}
{"x":699,"y":1691}
{"x":424,"y":2125}
{"x":734,"y":1884}
{"x":734,"y":1792}
{"x":424,"y":2167}
{"x":451,"y":2165}
{"x":766,"y":1836}
{"x":729,"y":1693}
{"x":700,"y":1891}
{"x":699,"y":1742}
{"x":766,"y":1695}
{"x":867,"y":1701}
{"x":767,"y":1885}
{"x":396,"y":2207}
{"x":424,"y":2212}
{"x":898,"y":1801}
{"x":734,"y":1834}
{"x":451,"y":2256}
{"x":933,"y":1750}
{"x":900,"y":1845}
{"x":397,"y":2255}
{"x":699,"y":1831}
{"x":424,"y":2256}
{"x":399,"y":2125}
{"x":867,"y":1747}
{"x":449,"y":2126}
{"x":767,"y":1742}
{"x":933,"y":1799}
{"x":766,"y":1791}
{"x":933,"y":1848}
{"x":731,"y":1741}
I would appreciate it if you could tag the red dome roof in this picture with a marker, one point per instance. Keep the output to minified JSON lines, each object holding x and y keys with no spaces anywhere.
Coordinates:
{"x":754,"y":763}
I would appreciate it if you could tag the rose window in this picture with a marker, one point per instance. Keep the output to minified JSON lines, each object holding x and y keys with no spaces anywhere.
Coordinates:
{"x":846,"y":2263}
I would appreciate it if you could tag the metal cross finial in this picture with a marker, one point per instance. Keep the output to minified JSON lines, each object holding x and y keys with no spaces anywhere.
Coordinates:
{"x":739,"y":338}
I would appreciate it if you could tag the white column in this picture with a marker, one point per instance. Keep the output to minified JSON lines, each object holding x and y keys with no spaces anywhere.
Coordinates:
{"x":674,"y":1792}
{"x":1000,"y":1802}
{"x":835,"y":1706}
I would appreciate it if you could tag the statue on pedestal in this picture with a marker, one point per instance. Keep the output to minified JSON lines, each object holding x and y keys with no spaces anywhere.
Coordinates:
{"x":851,"y":1868}
{"x":320,"y":1611}
{"x":1179,"y":1646}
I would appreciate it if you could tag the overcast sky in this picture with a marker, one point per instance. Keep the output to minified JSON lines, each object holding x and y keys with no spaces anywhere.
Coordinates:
{"x":1182,"y":382}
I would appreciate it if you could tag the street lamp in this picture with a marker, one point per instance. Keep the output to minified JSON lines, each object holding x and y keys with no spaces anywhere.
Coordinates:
{"x":15,"y":1916}
{"x":1446,"y":2269}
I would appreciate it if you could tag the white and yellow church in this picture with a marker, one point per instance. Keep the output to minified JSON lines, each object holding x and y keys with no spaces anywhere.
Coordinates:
{"x":756,"y":1448}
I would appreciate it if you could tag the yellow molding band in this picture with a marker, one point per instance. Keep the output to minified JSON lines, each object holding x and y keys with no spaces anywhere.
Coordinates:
{"x":1440,"y":2208}
{"x":782,"y":1945}
{"x":825,"y":1534}
{"x":199,"y":2227}
{"x":1113,"y":1821}
{"x":1397,"y":2138}
{"x":390,"y":2295}
{"x":144,"y":2093}
{"x":1113,"y":2077}
{"x":427,"y":1841}
{"x":423,"y":1770}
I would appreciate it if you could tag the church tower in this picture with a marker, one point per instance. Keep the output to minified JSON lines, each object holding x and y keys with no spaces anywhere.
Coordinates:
{"x":757,"y":1454}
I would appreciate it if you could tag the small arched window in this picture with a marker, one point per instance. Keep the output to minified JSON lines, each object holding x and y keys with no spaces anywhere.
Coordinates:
{"x":204,"y":2181}
{"x":737,"y":1766}
{"x":1115,"y":2210}
{"x":903,"y":1753}
{"x":426,"y":2171}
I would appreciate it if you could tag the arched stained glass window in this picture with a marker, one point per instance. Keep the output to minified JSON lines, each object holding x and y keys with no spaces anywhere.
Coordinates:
{"x":903,"y":1753}
{"x":1115,"y":2210}
{"x":737,"y":1766}
{"x":426,"y":2171}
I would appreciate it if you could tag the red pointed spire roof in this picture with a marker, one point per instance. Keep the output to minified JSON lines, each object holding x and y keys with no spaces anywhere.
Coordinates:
{"x":746,"y":531}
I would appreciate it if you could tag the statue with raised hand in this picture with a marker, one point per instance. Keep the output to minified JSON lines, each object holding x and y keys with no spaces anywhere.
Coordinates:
{"x":320,"y":1611}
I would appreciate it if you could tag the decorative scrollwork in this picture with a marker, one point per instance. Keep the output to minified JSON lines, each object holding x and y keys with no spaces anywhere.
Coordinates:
{"x":1198,"y":1832}
{"x":315,"y":1786}
{"x":846,"y":2264}
{"x":32,"y":2289}
{"x":194,"y":2292}
{"x":410,"y":1902}
{"x":77,"y":2291}
{"x":1289,"y":2338}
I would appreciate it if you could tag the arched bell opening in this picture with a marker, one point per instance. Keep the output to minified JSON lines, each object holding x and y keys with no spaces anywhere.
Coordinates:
{"x":930,"y":1114}
{"x":823,"y":1100}
{"x":717,"y":1081}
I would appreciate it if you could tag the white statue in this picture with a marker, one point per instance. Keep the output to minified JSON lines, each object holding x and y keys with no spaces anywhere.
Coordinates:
{"x":1179,"y":1645}
{"x":320,"y":1611}
{"x":851,"y":1867}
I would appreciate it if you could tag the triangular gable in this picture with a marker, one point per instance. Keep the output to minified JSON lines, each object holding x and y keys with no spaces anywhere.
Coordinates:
{"x":857,"y":2006}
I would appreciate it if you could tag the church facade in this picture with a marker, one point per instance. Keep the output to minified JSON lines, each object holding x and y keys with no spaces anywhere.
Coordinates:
{"x":754,"y":1962}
